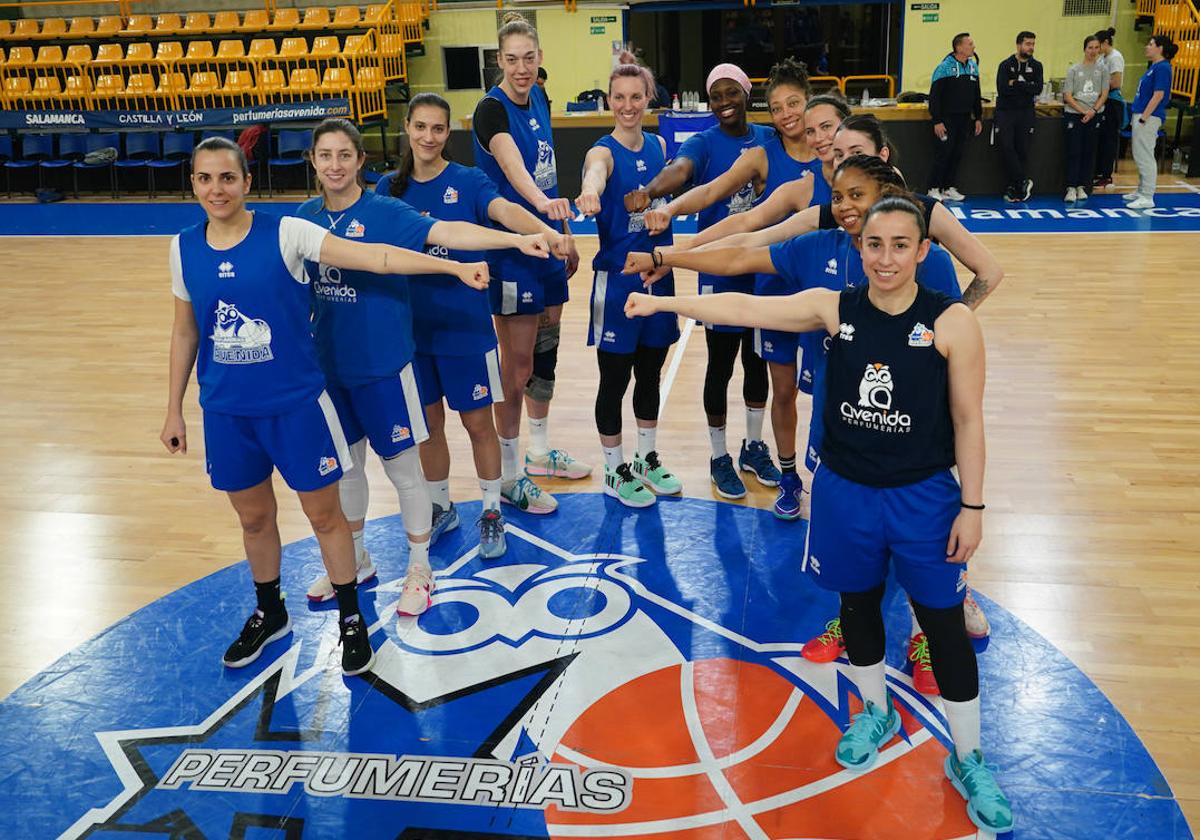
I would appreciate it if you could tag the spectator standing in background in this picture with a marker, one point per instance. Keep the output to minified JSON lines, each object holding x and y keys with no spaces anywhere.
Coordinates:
{"x":1149,"y":113}
{"x":1084,"y":95}
{"x":954,"y":104}
{"x":1019,"y":80}
{"x":1114,"y":114}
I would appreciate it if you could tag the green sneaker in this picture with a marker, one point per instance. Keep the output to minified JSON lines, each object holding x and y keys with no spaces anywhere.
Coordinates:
{"x":987,"y":806}
{"x":870,"y":729}
{"x":524,"y":495}
{"x":655,"y":476}
{"x":625,"y":488}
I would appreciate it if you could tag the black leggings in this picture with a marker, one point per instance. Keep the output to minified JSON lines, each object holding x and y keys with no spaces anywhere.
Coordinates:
{"x":645,"y":364}
{"x":722,"y":351}
{"x":951,"y":652}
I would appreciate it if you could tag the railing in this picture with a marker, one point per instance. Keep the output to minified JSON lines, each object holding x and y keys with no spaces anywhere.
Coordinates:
{"x":1180,"y":21}
{"x":1145,"y":8}
{"x":123,"y":6}
{"x":840,"y":81}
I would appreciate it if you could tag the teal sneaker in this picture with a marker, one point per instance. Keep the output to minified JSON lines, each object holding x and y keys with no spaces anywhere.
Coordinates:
{"x":987,"y":806}
{"x":625,"y":488}
{"x":655,"y":476}
{"x":524,"y":495}
{"x":869,"y":730}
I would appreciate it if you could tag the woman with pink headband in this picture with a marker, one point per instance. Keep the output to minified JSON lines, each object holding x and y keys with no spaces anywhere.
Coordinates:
{"x":703,"y":157}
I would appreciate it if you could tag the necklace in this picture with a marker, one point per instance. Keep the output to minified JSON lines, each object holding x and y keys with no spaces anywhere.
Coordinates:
{"x":333,"y":223}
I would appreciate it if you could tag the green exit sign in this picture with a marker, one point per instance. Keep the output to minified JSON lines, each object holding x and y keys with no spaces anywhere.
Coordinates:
{"x":598,"y":30}
{"x":929,"y":17}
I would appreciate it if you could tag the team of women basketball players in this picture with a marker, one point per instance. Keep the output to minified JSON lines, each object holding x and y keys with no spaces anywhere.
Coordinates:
{"x":362,"y":317}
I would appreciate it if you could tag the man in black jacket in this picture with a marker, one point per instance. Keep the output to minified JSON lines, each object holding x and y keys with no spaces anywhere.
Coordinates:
{"x":955,"y":107}
{"x":1019,"y":81}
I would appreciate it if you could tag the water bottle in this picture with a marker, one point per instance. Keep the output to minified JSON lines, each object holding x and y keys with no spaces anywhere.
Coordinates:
{"x":866,"y":98}
{"x":1177,"y":161}
{"x":1047,"y":92}
{"x":675,"y":102}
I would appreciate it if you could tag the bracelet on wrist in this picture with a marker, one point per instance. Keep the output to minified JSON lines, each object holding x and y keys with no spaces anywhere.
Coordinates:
{"x":973,"y":507}
{"x":656,"y":258}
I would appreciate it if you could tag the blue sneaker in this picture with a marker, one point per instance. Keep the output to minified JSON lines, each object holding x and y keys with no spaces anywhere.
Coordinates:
{"x":725,"y":478}
{"x":491,"y":535}
{"x":756,"y":458}
{"x":871,"y":728}
{"x":987,"y":806}
{"x":443,"y":520}
{"x":787,"y":503}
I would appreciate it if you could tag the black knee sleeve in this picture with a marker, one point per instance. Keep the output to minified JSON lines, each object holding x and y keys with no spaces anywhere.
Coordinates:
{"x":615,"y":370}
{"x":950,"y":651}
{"x":722,"y":351}
{"x":756,"y":382}
{"x":545,"y":359}
{"x":862,"y":625}
{"x":647,"y":368}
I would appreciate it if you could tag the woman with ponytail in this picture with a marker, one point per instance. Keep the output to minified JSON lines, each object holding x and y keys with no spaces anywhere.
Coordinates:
{"x":1149,"y":113}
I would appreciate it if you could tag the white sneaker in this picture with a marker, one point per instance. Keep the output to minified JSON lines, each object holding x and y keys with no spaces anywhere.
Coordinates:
{"x":952,"y":194}
{"x":1072,"y":195}
{"x":977,"y":623}
{"x":557,"y":463}
{"x":1133,"y":196}
{"x":934,"y":192}
{"x":322,"y":588}
{"x":417,"y":595}
{"x":1141,"y":203}
{"x":524,"y":495}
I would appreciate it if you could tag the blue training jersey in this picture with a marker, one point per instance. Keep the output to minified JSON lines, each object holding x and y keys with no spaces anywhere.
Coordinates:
{"x":362,"y":322}
{"x":827,"y":259}
{"x":783,"y":168}
{"x":449,"y":317}
{"x":251,"y":303}
{"x":620,"y":231}
{"x":712,"y":152}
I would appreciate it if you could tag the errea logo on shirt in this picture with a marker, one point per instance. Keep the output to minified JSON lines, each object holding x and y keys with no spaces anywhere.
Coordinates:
{"x":846,"y":332}
{"x":641,"y":166}
{"x":831,"y":267}
{"x":355,"y":230}
{"x":225,"y":270}
{"x":527,"y":297}
{"x":450,"y":196}
{"x":533,"y":123}
{"x":609,"y":336}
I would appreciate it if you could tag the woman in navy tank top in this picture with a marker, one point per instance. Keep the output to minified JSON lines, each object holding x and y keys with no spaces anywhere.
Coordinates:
{"x":903,"y":405}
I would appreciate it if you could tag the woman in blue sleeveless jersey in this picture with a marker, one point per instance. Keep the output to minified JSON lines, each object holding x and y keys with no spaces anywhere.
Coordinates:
{"x":514,"y":146}
{"x":701,"y":159}
{"x":903,"y":404}
{"x":364,"y":332}
{"x":242,"y":314}
{"x":620,"y":162}
{"x":456,"y":356}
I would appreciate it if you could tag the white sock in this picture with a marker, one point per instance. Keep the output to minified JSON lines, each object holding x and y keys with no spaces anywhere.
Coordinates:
{"x":614,"y":456}
{"x":716,"y":437}
{"x":510,"y":459}
{"x":754,"y":424}
{"x":418,"y":555}
{"x":439,"y":493}
{"x":360,"y":551}
{"x":870,"y":682}
{"x":646,"y":440}
{"x":916,"y":625}
{"x":539,"y":436}
{"x":963,"y":718}
{"x":491,"y":493}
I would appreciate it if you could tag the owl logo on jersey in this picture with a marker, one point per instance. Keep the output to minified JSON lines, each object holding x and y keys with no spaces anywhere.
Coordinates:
{"x":239,"y":340}
{"x":875,"y":389}
{"x":545,"y":171}
{"x":742,"y":200}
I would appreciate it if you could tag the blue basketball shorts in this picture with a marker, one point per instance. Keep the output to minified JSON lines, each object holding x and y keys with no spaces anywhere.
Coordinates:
{"x":855,"y":531}
{"x":809,"y":344}
{"x":611,"y":331}
{"x":775,"y":345}
{"x":524,"y":285}
{"x":712,"y":284}
{"x":466,"y":382}
{"x":387,"y":412}
{"x":556,"y":287}
{"x":306,"y":444}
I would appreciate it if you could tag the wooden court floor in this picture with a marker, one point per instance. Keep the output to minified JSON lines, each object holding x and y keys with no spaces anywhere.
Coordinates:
{"x":1093,"y":483}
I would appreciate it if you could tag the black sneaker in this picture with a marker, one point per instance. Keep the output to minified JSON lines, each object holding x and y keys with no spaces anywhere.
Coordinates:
{"x":357,"y":655}
{"x":258,"y":632}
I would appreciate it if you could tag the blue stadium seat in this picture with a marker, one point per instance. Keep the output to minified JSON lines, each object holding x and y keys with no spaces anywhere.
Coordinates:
{"x":290,"y":146}
{"x":141,"y":147}
{"x":71,"y":148}
{"x":96,"y":142}
{"x":35,"y":148}
{"x":177,"y":149}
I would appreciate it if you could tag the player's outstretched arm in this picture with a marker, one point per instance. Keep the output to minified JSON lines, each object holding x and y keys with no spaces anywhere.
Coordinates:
{"x":388,"y":259}
{"x":812,"y":309}
{"x":750,"y":166}
{"x":786,"y":202}
{"x":466,"y":236}
{"x":597,"y":167}
{"x":672,"y":178}
{"x":504,"y":150}
{"x":727,"y":262}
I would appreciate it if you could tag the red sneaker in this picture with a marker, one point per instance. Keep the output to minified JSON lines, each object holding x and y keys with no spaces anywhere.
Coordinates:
{"x":922,"y":673}
{"x":826,"y":647}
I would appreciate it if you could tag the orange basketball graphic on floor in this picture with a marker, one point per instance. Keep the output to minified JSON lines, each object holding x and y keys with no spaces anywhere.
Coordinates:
{"x":721,"y":748}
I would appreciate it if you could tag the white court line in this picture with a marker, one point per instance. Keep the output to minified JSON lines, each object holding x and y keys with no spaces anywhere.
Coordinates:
{"x":673,"y":368}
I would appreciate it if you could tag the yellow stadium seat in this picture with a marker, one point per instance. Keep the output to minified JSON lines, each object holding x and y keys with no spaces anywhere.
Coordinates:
{"x":109,"y":52}
{"x":238,"y":81}
{"x":353,"y":43}
{"x":324,"y":45}
{"x":49,"y":55}
{"x":230,"y":49}
{"x":374,"y":14}
{"x":1,"y":55}
{"x":137,"y":26}
{"x":262,"y":47}
{"x":370,"y":78}
{"x":139,"y":84}
{"x":167,"y":24}
{"x":391,"y":44}
{"x":53,"y":28}
{"x":293,"y":48}
{"x":225,"y":22}
{"x":18,"y":56}
{"x":271,"y":80}
{"x":256,"y":20}
{"x":46,"y":87}
{"x":302,"y":80}
{"x":171,"y":83}
{"x":107,"y":25}
{"x":110,"y":85}
{"x":346,"y":17}
{"x":81,"y":27}
{"x":315,"y":17}
{"x":203,"y":83}
{"x":286,"y":19}
{"x":6,"y":28}
{"x":200,"y":49}
{"x":141,"y":51}
{"x":198,"y":23}
{"x":79,"y":53}
{"x":337,"y":80}
{"x":169,"y":51}
{"x":26,"y":28}
{"x":77,"y":89}
{"x":17,"y":88}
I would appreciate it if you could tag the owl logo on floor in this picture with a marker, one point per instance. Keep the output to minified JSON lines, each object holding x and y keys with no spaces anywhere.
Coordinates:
{"x":238,"y":339}
{"x":875,"y":389}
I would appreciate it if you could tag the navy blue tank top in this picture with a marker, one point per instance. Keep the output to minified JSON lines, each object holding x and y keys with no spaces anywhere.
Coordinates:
{"x":887,"y":396}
